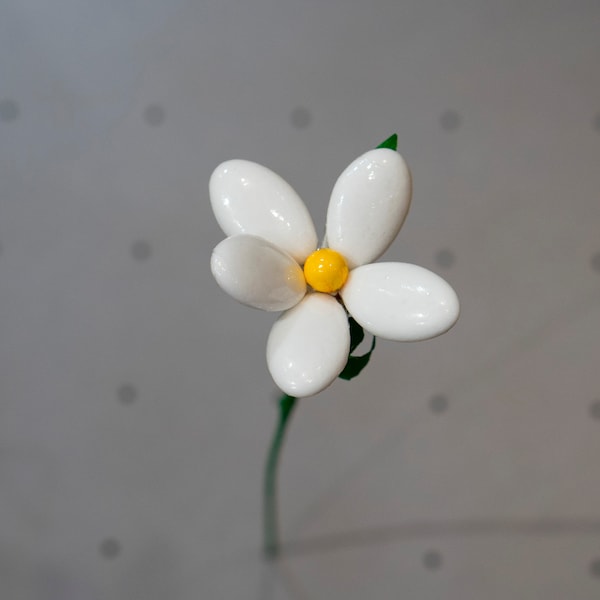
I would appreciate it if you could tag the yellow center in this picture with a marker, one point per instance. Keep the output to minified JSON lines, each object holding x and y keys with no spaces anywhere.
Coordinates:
{"x":325,"y":270}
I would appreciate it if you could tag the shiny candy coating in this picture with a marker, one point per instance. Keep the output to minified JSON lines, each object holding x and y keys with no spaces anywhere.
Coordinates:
{"x":400,"y":302}
{"x":257,"y":273}
{"x":272,"y":236}
{"x":368,"y":205}
{"x":308,"y":345}
{"x":249,"y":198}
{"x":325,"y":270}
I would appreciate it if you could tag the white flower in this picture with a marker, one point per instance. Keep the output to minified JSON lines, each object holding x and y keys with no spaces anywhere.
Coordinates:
{"x":272,"y":237}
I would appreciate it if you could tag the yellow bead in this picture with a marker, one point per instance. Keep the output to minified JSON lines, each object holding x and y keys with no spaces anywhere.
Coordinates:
{"x":325,"y":270}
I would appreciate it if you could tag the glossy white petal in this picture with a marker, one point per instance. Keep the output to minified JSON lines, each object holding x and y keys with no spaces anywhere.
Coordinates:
{"x":368,"y":205}
{"x":258,"y":273}
{"x":249,"y":198}
{"x":308,"y":345}
{"x":400,"y":302}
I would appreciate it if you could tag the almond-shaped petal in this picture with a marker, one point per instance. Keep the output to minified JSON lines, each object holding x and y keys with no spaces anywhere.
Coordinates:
{"x":249,"y":198}
{"x":368,"y":205}
{"x":308,"y":345}
{"x":257,"y":273}
{"x":400,"y":302}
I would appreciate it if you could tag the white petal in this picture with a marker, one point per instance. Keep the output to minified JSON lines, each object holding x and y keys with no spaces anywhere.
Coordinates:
{"x":400,"y":302}
{"x":249,"y":198}
{"x":257,"y":273}
{"x":308,"y":345}
{"x":368,"y":205}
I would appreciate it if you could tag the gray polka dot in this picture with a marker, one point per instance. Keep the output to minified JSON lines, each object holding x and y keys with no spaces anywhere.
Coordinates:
{"x":596,"y":122}
{"x":595,"y":567}
{"x":141,"y":250}
{"x":444,"y":258}
{"x":432,"y":560}
{"x":438,"y":403}
{"x":450,"y":120}
{"x":110,"y":548}
{"x":9,"y":110}
{"x":596,"y":261}
{"x":127,"y":394}
{"x":154,"y":115}
{"x":595,"y":409}
{"x":300,"y":117}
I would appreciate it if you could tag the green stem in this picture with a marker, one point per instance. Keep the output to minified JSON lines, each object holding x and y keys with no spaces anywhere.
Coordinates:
{"x":270,"y":522}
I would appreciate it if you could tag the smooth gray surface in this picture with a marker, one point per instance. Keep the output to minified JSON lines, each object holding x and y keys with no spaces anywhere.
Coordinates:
{"x":136,"y":405}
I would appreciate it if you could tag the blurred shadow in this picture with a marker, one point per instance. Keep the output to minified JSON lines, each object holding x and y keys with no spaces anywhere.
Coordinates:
{"x":278,"y":571}
{"x":439,"y":529}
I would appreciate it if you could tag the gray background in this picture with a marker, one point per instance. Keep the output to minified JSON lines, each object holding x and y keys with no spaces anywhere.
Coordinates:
{"x":136,"y":405}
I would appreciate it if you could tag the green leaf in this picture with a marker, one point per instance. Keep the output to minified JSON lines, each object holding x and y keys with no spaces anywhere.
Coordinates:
{"x":391,"y":142}
{"x":356,"y":364}
{"x":357,"y":334}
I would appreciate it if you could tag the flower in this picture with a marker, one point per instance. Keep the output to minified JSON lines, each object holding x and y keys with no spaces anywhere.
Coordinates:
{"x":271,"y":261}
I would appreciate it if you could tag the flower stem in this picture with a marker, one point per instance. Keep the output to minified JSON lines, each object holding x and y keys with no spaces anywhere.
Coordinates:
{"x":270,"y":522}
